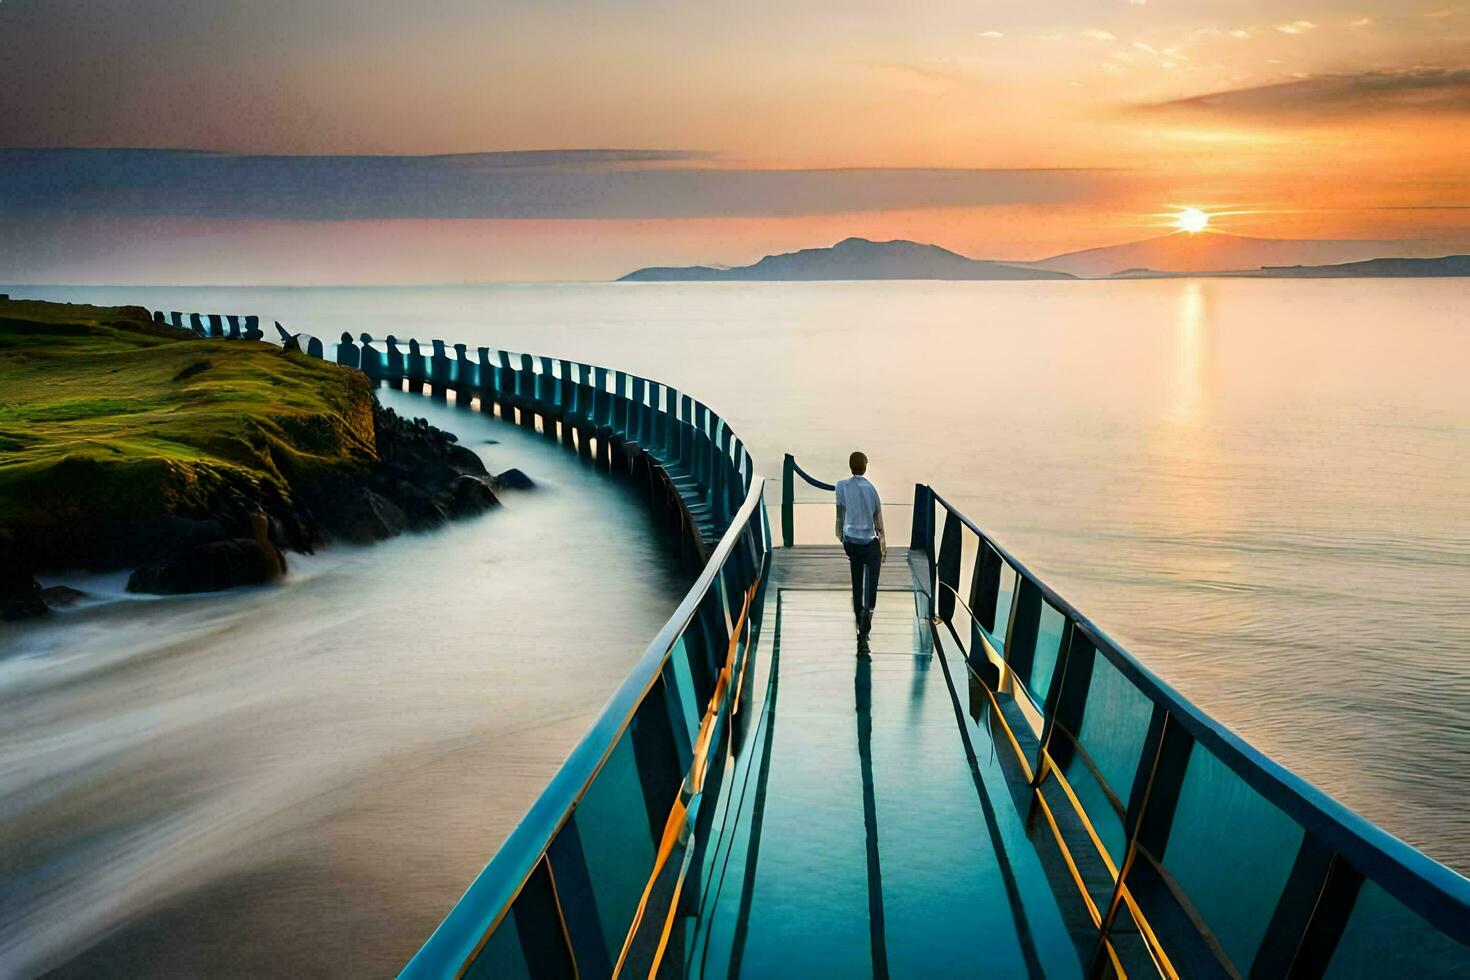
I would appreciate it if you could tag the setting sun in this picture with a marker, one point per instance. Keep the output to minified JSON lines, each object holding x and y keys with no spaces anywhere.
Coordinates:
{"x":1192,"y":220}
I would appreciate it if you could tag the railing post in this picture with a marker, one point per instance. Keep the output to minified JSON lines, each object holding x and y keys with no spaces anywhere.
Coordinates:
{"x":920,"y":533}
{"x":921,"y":538}
{"x":788,"y":506}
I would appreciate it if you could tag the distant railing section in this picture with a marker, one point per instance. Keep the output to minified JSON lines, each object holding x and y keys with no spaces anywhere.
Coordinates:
{"x":214,"y":325}
{"x":585,"y":398}
{"x":593,"y":407}
{"x":1193,"y":852}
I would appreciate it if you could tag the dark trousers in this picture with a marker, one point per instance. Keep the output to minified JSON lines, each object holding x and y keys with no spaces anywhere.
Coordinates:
{"x":865,"y":561}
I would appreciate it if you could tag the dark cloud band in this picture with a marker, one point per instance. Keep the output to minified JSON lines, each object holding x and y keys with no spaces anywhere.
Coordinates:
{"x":606,"y":184}
{"x":1419,"y":89}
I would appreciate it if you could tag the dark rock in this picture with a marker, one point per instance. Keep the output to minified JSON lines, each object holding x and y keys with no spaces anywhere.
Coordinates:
{"x":61,"y":596}
{"x":470,"y":495}
{"x":418,"y":506}
{"x":212,"y":567}
{"x":465,"y":459}
{"x":104,"y":544}
{"x":513,"y":479}
{"x":21,"y":598}
{"x":365,"y":516}
{"x":418,"y":452}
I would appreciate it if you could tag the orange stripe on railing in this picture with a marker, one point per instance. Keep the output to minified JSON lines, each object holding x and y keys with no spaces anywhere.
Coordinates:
{"x":695,"y":782}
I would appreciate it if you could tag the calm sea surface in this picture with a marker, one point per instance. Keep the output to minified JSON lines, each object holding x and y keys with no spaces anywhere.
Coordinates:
{"x":1261,"y":488}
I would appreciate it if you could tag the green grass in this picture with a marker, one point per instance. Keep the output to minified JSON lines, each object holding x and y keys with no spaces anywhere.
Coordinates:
{"x":106,"y":415}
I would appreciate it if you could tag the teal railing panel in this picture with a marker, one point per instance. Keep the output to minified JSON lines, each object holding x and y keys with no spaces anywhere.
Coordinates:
{"x":605,"y":786}
{"x":1231,"y":864}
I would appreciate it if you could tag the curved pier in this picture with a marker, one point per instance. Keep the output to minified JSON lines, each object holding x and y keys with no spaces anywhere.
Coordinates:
{"x":999,"y":789}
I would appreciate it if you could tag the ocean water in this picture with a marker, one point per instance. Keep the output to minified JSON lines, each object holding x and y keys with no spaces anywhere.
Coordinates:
{"x":1259,"y":487}
{"x":300,"y":780}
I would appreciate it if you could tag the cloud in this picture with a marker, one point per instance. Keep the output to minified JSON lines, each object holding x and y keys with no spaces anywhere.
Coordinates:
{"x":1361,"y":22}
{"x":1093,"y":34}
{"x":1296,"y":27}
{"x":549,"y":184}
{"x":1403,"y":90}
{"x":991,"y":34}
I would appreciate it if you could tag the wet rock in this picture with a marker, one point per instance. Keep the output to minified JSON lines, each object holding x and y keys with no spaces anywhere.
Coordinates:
{"x":470,"y":495}
{"x":418,"y":506}
{"x":466,"y":460}
{"x":211,"y":568}
{"x":61,"y":596}
{"x":365,"y":516}
{"x":20,"y":598}
{"x":513,"y":479}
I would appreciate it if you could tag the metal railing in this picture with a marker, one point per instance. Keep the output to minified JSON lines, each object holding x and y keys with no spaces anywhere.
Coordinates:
{"x":228,"y":327}
{"x":790,"y":532}
{"x":558,"y":900}
{"x":554,"y":900}
{"x":591,"y":399}
{"x":1192,"y":852}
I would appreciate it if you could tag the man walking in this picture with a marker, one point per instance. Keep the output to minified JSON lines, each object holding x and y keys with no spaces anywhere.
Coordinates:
{"x":860,"y":529}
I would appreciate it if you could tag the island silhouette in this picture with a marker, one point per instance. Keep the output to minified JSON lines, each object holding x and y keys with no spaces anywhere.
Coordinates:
{"x":854,"y":258}
{"x":1181,"y":253}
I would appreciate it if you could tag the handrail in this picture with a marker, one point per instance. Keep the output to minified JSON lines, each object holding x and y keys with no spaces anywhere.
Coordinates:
{"x":1361,"y":839}
{"x":808,"y":477}
{"x":789,"y":470}
{"x":1430,"y":890}
{"x":709,"y":469}
{"x":1339,"y":852}
{"x":457,"y":938}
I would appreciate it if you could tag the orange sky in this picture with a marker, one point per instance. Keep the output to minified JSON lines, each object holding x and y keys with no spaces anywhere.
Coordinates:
{"x":1304,"y":120}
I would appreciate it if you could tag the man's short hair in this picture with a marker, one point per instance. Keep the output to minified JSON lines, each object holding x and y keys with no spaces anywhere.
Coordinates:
{"x":858,"y":463}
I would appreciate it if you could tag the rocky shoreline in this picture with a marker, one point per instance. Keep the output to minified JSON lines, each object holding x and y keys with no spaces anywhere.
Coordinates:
{"x":422,"y":479}
{"x":312,"y":459}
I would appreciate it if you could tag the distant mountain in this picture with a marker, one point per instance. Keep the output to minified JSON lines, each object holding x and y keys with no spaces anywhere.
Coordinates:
{"x":1216,"y":251}
{"x":854,"y":258}
{"x":1444,"y":266}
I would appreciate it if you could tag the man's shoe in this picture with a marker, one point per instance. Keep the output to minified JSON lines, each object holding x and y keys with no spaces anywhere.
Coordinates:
{"x":862,"y":645}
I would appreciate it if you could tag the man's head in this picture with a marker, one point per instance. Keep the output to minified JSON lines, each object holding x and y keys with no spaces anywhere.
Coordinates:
{"x":858,"y":463}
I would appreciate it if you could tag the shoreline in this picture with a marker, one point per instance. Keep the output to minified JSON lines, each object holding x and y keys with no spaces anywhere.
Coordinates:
{"x":194,"y":464}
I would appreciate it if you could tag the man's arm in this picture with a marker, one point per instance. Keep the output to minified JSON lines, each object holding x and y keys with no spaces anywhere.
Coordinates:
{"x":841,"y":509}
{"x":878,"y":526}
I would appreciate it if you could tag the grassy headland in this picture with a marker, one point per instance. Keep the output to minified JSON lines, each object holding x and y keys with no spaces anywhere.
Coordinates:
{"x":104,"y":413}
{"x":124,"y":442}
